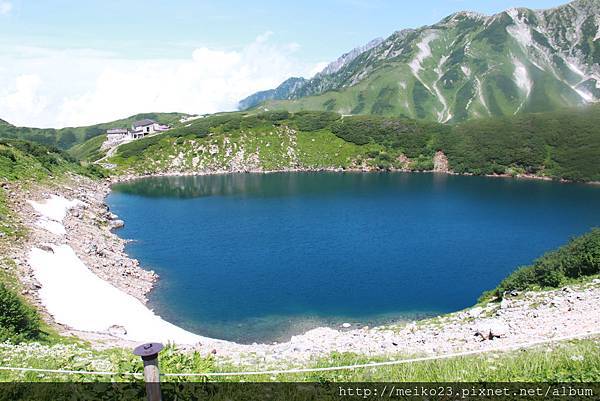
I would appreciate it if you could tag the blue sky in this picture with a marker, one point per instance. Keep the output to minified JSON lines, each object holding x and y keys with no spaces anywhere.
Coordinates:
{"x":57,"y":56}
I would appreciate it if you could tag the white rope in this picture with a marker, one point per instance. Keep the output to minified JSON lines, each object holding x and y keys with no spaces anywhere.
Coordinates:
{"x":308,"y":370}
{"x":70,"y":372}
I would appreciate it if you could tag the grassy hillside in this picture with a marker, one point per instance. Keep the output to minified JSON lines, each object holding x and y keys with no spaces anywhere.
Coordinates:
{"x":66,"y":138}
{"x":561,"y":145}
{"x":89,"y":150}
{"x":23,"y":160}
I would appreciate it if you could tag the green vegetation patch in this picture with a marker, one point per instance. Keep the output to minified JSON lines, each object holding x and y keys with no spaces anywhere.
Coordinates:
{"x":562,"y":144}
{"x":411,"y":137}
{"x":89,"y":150}
{"x":18,"y":320}
{"x":24,"y":160}
{"x":579,"y":258}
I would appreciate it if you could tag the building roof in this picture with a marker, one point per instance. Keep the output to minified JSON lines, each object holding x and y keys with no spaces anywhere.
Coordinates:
{"x":116,"y":131}
{"x":143,"y":123}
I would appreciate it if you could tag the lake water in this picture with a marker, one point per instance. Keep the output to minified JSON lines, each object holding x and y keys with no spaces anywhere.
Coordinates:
{"x":261,"y":257}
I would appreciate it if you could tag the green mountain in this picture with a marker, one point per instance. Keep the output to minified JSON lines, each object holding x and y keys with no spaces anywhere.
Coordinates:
{"x":65,"y":138}
{"x":467,"y":65}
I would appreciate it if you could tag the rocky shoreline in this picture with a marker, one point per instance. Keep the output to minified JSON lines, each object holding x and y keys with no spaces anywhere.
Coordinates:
{"x":88,"y":232}
{"x":517,"y":320}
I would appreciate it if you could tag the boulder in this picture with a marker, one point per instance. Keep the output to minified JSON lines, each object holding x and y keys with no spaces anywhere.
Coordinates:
{"x":46,"y":248}
{"x":116,"y":330}
{"x":116,"y":224}
{"x":491,"y":328}
{"x":346,"y":325}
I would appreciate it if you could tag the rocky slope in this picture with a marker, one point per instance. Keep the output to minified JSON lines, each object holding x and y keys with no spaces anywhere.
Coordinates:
{"x":467,"y":65}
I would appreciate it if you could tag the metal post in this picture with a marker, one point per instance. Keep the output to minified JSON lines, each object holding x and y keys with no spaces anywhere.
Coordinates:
{"x":149,"y":353}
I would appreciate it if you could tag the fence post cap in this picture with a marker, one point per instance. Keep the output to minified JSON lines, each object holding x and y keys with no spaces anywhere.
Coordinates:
{"x":148,"y":349}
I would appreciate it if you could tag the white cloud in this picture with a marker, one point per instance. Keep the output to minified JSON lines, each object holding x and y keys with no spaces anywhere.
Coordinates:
{"x":5,"y":7}
{"x":23,"y":100}
{"x":76,"y":87}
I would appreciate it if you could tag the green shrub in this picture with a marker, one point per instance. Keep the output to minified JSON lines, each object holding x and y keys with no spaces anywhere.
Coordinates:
{"x":314,"y":120}
{"x":8,"y":154}
{"x":579,"y":258}
{"x":276,"y":115}
{"x":18,"y":321}
{"x":422,"y":163}
{"x":95,"y":171}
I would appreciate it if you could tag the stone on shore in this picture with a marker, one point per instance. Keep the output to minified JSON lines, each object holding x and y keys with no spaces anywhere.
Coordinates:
{"x":489,"y":329}
{"x":116,"y":224}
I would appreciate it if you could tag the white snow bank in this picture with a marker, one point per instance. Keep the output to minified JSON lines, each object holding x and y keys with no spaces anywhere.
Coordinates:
{"x":53,"y":226}
{"x":424,"y":52}
{"x":52,"y":212}
{"x":79,"y":299}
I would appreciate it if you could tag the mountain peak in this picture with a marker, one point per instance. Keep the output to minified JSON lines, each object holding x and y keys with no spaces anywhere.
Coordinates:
{"x":346,"y":58}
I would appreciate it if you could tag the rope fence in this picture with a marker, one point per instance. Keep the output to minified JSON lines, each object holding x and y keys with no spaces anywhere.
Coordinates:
{"x":309,"y":370}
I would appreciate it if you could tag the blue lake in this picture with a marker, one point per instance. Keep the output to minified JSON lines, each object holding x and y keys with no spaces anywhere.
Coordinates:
{"x":261,"y":257}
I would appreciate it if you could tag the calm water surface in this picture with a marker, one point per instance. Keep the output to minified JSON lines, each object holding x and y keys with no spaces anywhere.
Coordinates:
{"x":260,"y":257}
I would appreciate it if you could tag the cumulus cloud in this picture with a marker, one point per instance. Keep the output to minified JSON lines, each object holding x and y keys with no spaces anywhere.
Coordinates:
{"x":5,"y":7}
{"x":71,"y":88}
{"x":23,"y":101}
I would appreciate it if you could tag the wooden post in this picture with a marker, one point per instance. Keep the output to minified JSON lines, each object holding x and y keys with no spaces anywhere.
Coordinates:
{"x":149,"y":354}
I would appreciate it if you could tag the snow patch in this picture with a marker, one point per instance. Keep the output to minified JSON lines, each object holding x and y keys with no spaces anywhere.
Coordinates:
{"x":586,"y":96}
{"x":423,"y":53}
{"x":466,"y":70}
{"x":445,"y":114}
{"x":479,"y":89}
{"x":573,"y":67}
{"x":79,"y":299}
{"x":52,"y":211}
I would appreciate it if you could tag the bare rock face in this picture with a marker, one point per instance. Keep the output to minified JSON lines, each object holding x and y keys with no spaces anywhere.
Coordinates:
{"x":440,"y":162}
{"x":404,"y":161}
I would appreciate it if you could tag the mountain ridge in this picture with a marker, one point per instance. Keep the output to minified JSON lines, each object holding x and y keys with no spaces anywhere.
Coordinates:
{"x":468,"y":65}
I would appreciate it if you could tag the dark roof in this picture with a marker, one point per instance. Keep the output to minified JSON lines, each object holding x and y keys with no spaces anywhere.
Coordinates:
{"x":143,"y":123}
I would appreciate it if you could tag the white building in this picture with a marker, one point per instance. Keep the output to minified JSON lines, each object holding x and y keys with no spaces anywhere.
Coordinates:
{"x":139,"y":129}
{"x":116,"y":134}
